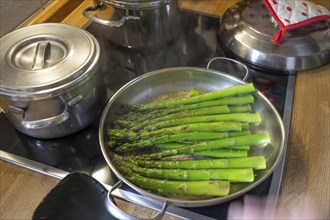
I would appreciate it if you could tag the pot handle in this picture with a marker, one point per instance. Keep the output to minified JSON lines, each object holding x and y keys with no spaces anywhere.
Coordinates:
{"x":246,"y":74}
{"x":110,"y":23}
{"x":47,"y":122}
{"x":120,"y":214}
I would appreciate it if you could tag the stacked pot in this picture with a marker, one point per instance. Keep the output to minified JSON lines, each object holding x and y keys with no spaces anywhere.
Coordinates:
{"x":137,"y":23}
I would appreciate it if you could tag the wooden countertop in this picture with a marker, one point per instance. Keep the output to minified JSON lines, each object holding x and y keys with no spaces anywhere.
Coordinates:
{"x":306,"y":172}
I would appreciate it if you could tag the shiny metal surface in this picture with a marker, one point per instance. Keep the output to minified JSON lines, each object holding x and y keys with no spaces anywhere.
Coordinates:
{"x":247,"y":31}
{"x":41,"y":55}
{"x":137,"y":24}
{"x":63,"y":55}
{"x":148,"y":87}
{"x":118,"y":23}
{"x":57,"y":116}
{"x":137,"y":4}
{"x":45,"y":122}
{"x":243,"y":75}
{"x":50,"y":84}
{"x":119,"y":214}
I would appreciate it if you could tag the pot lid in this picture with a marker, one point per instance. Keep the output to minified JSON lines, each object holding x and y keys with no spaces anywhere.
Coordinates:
{"x":44,"y":57}
{"x":247,"y":31}
{"x":136,"y":4}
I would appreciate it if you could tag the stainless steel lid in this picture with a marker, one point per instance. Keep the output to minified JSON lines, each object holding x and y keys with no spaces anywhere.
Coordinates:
{"x":136,"y":4}
{"x":247,"y":31}
{"x":42,"y":58}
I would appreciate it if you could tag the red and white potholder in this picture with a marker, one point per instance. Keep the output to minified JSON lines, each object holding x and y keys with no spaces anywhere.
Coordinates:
{"x":291,"y":14}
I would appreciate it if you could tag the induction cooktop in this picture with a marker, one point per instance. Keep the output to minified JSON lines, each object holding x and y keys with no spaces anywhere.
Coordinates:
{"x":80,"y":152}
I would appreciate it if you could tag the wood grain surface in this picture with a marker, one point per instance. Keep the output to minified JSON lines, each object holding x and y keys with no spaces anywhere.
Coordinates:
{"x":306,"y":172}
{"x":21,"y":191}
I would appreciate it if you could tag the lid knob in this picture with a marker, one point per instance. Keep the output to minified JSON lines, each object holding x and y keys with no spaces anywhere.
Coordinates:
{"x":41,"y":55}
{"x":38,"y":53}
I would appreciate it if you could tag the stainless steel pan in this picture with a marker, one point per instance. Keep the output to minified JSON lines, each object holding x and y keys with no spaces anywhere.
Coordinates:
{"x":148,"y":87}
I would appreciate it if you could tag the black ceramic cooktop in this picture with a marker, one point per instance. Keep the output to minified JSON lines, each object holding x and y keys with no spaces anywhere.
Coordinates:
{"x":196,"y":45}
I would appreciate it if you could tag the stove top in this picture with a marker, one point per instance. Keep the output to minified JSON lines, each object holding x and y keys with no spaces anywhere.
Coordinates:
{"x":196,"y":45}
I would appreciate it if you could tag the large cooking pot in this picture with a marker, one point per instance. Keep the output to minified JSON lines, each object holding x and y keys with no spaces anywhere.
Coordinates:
{"x":246,"y":33}
{"x":149,"y":86}
{"x":136,"y":23}
{"x":50,"y":85}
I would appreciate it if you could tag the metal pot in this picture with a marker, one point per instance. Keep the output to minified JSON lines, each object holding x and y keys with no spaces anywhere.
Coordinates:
{"x":246,"y":32}
{"x":50,"y":86}
{"x":136,"y":23}
{"x":149,"y":86}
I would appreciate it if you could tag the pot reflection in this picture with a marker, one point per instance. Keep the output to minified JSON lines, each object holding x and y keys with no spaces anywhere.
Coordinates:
{"x":76,"y":152}
{"x":195,"y":45}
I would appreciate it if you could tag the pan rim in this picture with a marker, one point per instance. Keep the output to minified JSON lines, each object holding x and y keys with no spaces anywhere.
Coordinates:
{"x":181,"y":202}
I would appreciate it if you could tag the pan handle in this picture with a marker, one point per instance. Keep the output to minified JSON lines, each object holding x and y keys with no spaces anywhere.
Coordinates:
{"x":120,"y":214}
{"x":242,"y":76}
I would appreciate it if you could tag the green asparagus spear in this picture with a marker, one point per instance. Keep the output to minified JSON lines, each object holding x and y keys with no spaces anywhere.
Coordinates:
{"x":180,"y":137}
{"x":202,"y":146}
{"x":240,"y":147}
{"x":190,"y":137}
{"x":232,"y":101}
{"x":231,"y":175}
{"x":238,"y":117}
{"x":251,"y":139}
{"x":134,"y":125}
{"x":233,"y":90}
{"x":175,"y":145}
{"x":192,"y":188}
{"x":200,"y":127}
{"x":169,"y":141}
{"x":118,"y":134}
{"x":239,"y":108}
{"x":254,"y":162}
{"x":224,"y":153}
{"x":238,"y":133}
{"x":193,"y":92}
